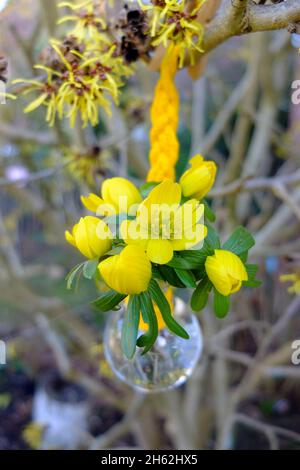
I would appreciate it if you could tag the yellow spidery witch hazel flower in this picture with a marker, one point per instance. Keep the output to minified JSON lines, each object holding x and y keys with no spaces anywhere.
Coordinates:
{"x":295,"y":279}
{"x":88,"y":18}
{"x":164,"y":118}
{"x":173,"y":22}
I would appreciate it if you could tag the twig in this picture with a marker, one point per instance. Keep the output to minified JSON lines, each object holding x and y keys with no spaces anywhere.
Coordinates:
{"x":265,"y":427}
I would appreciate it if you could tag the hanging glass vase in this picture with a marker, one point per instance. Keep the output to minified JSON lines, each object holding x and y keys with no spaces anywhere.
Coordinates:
{"x":167,"y":365}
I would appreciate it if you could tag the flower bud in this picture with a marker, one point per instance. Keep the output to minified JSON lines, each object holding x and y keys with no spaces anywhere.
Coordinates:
{"x":127,"y":273}
{"x":199,"y":179}
{"x":118,"y":196}
{"x":91,"y":236}
{"x":226,"y":271}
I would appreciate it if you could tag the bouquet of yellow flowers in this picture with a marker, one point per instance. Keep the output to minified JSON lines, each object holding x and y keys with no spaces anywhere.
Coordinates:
{"x":143,"y":239}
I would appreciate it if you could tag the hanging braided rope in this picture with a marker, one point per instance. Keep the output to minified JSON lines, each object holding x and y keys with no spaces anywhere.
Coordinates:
{"x":164,"y":118}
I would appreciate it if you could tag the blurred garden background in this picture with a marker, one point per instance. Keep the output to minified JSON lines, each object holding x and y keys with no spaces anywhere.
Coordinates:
{"x":245,"y":391}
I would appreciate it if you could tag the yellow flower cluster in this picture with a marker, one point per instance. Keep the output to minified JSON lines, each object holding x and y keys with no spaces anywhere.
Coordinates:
{"x":88,"y":19}
{"x":172,"y":21}
{"x":153,"y":229}
{"x":82,"y":73}
{"x":164,"y":118}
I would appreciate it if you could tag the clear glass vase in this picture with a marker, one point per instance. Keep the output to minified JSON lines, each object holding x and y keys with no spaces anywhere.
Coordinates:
{"x":167,"y":365}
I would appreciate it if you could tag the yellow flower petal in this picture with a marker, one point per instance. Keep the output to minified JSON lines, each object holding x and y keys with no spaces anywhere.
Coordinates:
{"x":166,"y":192}
{"x":233,"y":264}
{"x":121,"y":193}
{"x":92,"y":237}
{"x":70,"y":239}
{"x":36,"y":103}
{"x":127,"y":273}
{"x":199,"y":179}
{"x":160,"y":251}
{"x":132,"y":233}
{"x":191,"y":239}
{"x":226,"y":271}
{"x":218,"y":276}
{"x":92,"y":202}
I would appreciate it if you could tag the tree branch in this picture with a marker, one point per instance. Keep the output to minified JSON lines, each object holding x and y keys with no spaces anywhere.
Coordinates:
{"x":237,"y":17}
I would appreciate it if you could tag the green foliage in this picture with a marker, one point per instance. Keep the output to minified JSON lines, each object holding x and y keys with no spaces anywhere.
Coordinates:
{"x":221,"y":304}
{"x":89,"y":268}
{"x":240,"y":241}
{"x":108,"y":301}
{"x":146,"y":188}
{"x":74,"y":274}
{"x":165,"y":310}
{"x":200,"y":295}
{"x":130,"y":326}
{"x":186,"y":277}
{"x":208,"y":212}
{"x":147,"y":340}
{"x":251,"y":270}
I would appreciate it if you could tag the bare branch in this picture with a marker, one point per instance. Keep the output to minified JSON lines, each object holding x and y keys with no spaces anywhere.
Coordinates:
{"x":233,"y":20}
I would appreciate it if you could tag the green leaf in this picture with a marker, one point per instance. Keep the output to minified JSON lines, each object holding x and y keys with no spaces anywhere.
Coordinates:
{"x":165,"y":310}
{"x":147,"y":340}
{"x":89,"y":268}
{"x":241,"y":240}
{"x":252,"y":283}
{"x":108,"y":301}
{"x":157,"y":274}
{"x":211,"y":241}
{"x":200,"y":295}
{"x":221,"y":304}
{"x":251,"y":270}
{"x":195,"y":259}
{"x":243,"y":256}
{"x":72,"y":274}
{"x":130,"y":326}
{"x":169,"y":275}
{"x":187,"y":259}
{"x":208,"y":212}
{"x":186,"y":277}
{"x":146,"y":188}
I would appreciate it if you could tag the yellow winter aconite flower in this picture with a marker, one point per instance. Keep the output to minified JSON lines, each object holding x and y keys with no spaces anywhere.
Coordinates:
{"x":295,"y":279}
{"x":91,"y":236}
{"x":162,"y":226}
{"x":199,"y":179}
{"x":226,"y":271}
{"x":127,"y":273}
{"x":118,"y":196}
{"x":164,"y":118}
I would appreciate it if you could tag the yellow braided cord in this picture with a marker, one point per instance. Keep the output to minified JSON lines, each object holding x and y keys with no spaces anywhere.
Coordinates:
{"x":164,"y":118}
